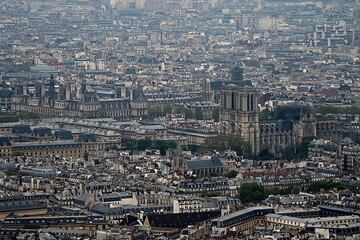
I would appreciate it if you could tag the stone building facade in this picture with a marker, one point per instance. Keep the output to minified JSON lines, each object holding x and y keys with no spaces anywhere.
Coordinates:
{"x":239,"y":114}
{"x":81,"y":102}
{"x":240,"y":117}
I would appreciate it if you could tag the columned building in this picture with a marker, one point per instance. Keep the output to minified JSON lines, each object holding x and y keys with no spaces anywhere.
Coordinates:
{"x":239,"y":114}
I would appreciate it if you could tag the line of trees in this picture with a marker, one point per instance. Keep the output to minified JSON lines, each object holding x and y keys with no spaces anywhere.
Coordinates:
{"x":144,"y":144}
{"x":251,"y":193}
{"x":223,"y":143}
{"x":17,"y":117}
{"x":338,"y":110}
{"x":316,"y":187}
{"x":189,"y":113}
{"x":254,"y":193}
{"x":157,"y":112}
{"x":357,"y":138}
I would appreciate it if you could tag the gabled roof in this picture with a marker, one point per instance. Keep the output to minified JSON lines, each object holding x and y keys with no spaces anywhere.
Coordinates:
{"x":21,"y":205}
{"x":21,"y":129}
{"x":5,"y":141}
{"x":63,"y":135}
{"x":214,"y":162}
{"x":87,"y":137}
{"x":180,"y":220}
{"x":42,"y":132}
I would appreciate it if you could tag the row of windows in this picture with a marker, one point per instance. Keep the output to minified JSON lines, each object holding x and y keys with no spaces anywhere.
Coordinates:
{"x":276,"y":220}
{"x":47,"y":111}
{"x":5,"y":130}
{"x":241,"y":218}
{"x":20,"y":148}
{"x":118,"y":113}
{"x":275,"y":139}
{"x":52,"y":153}
{"x":250,"y":102}
{"x":91,"y":107}
{"x":38,"y":152}
{"x":51,"y":221}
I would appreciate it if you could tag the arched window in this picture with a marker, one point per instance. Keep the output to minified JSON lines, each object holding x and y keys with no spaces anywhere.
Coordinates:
{"x":252,"y":102}
{"x":248,"y":102}
{"x":232,"y":128}
{"x":241,"y":103}
{"x":233,"y":101}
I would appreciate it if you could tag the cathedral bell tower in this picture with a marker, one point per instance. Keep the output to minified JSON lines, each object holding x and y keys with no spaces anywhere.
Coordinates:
{"x":239,"y":114}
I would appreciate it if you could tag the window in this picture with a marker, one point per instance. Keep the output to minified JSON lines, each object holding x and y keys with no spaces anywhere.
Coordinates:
{"x":252,"y":102}
{"x":248,"y":103}
{"x":233,"y":101}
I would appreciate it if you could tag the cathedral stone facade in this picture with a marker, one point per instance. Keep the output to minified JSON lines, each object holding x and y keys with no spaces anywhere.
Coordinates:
{"x":239,"y":114}
{"x":239,"y":117}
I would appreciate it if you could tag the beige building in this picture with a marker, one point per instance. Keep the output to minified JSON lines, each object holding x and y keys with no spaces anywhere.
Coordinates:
{"x":67,"y":148}
{"x":239,"y":114}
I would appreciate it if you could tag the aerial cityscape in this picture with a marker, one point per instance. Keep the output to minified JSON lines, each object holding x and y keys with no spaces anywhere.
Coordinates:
{"x":180,"y":119}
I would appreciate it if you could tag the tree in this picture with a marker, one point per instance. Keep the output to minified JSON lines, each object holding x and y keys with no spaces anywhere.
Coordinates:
{"x":266,"y":114}
{"x":155,"y":112}
{"x":316,"y":187}
{"x":188,"y":113}
{"x":302,"y":150}
{"x":237,"y":144}
{"x":198,"y":114}
{"x":18,"y":154}
{"x":231,"y":174}
{"x":357,"y":138}
{"x":163,"y":146}
{"x":252,"y":63}
{"x":338,"y":110}
{"x":216,"y":114}
{"x":214,"y":174}
{"x":265,"y":154}
{"x":289,"y":153}
{"x":86,"y":156}
{"x":113,"y":147}
{"x":13,"y":118}
{"x":251,"y":192}
{"x":276,"y":72}
{"x":278,"y":191}
{"x":193,"y":148}
{"x":158,"y":111}
{"x":167,"y":109}
{"x":241,"y":147}
{"x":25,"y":67}
{"x":144,"y":144}
{"x":209,"y":194}
{"x":163,"y":150}
{"x":130,"y":145}
{"x":147,"y":143}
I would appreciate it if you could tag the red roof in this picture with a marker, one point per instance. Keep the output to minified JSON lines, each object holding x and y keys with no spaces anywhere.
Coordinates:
{"x":330,"y":92}
{"x":54,"y":62}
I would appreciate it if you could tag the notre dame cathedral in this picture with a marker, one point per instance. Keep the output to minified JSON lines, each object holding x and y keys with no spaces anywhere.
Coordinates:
{"x":240,"y":116}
